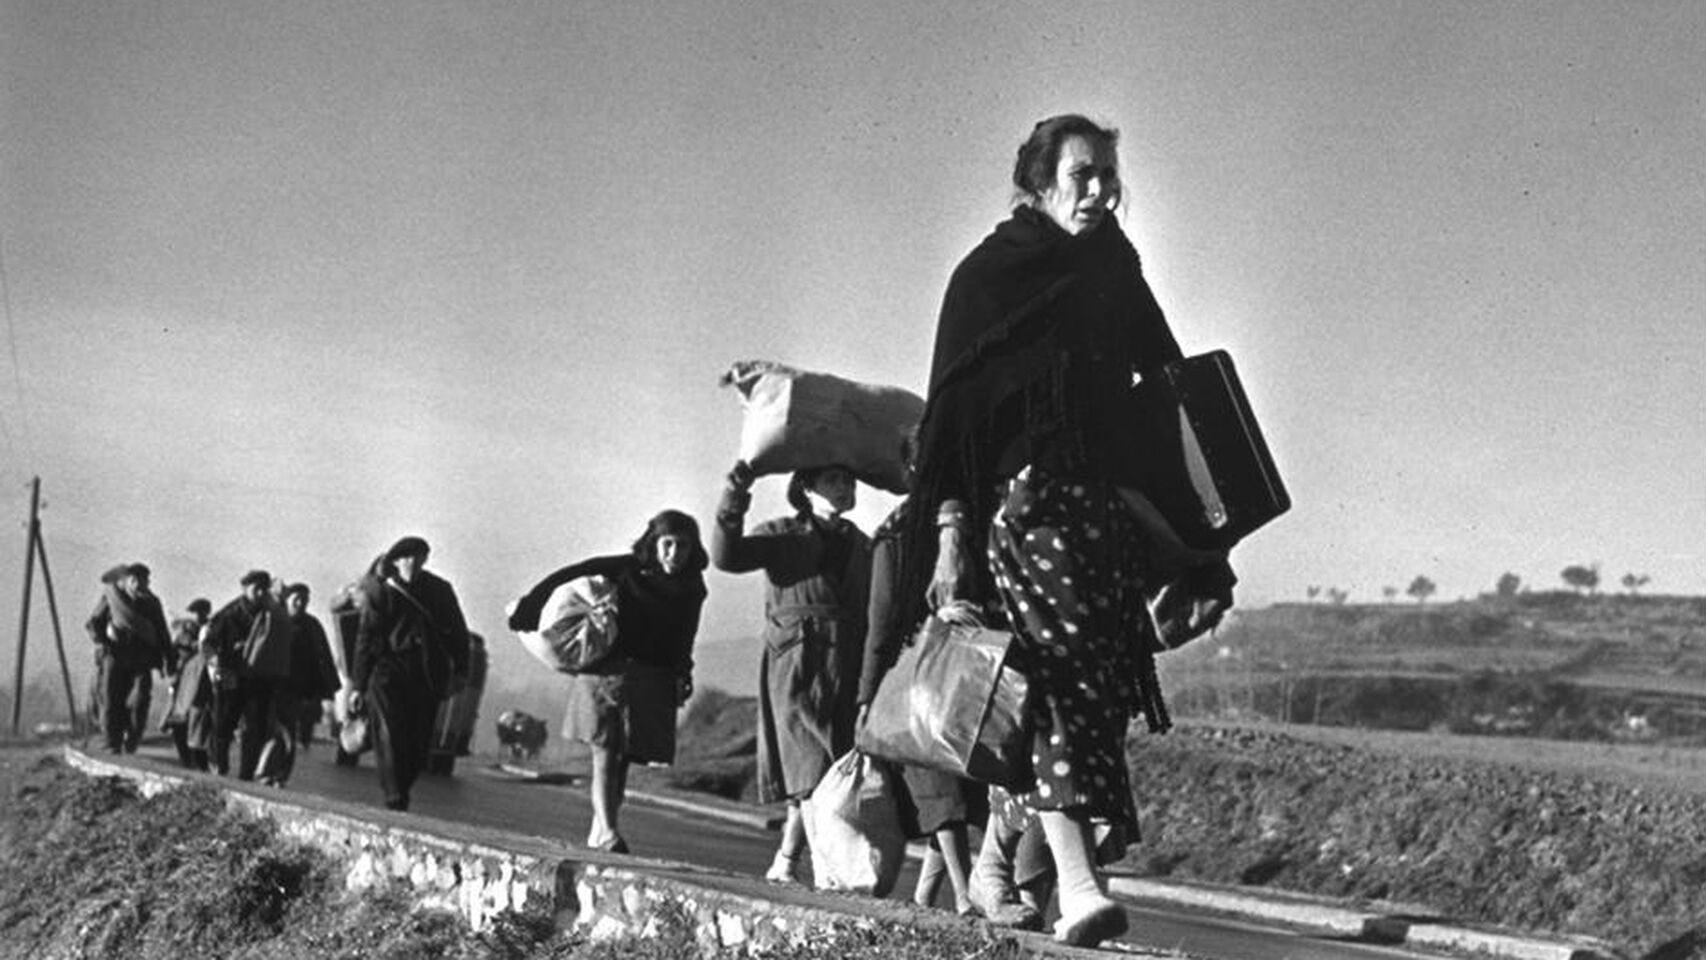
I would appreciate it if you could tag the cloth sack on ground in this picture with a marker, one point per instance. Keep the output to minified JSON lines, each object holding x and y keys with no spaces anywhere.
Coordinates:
{"x":577,"y":626}
{"x":950,"y":703}
{"x":853,"y":827}
{"x":796,"y":419}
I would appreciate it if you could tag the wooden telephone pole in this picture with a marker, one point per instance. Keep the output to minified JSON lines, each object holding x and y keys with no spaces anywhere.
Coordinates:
{"x":35,"y":549}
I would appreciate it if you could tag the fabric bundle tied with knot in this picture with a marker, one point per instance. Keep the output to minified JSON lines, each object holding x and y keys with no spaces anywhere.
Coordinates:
{"x":799,"y":420}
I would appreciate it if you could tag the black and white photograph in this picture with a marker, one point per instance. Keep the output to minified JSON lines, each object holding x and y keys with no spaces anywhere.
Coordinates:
{"x":574,"y":478}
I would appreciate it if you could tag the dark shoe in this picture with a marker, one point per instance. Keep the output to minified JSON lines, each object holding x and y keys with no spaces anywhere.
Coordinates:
{"x":1014,"y":916}
{"x":1101,"y":923}
{"x":397,"y":803}
{"x":992,"y":892}
{"x":614,"y":845}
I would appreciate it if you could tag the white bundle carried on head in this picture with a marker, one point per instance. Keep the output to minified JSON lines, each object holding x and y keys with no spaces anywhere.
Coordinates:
{"x":797,"y":420}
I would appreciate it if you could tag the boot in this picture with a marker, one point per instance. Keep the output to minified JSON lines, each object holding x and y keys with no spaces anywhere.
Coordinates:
{"x":991,"y":888}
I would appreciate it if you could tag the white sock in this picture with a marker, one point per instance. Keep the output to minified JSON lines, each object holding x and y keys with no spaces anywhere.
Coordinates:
{"x":1079,"y":884}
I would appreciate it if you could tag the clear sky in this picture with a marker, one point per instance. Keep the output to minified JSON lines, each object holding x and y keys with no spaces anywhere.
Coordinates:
{"x":284,"y":282}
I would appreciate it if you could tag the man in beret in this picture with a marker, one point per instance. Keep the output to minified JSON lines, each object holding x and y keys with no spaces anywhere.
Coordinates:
{"x":411,"y":642}
{"x":128,"y":628}
{"x":247,"y":646}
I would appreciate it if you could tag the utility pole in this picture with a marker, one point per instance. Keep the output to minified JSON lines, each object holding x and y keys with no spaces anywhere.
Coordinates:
{"x":34,"y":548}
{"x":24,"y":607}
{"x":58,"y":637}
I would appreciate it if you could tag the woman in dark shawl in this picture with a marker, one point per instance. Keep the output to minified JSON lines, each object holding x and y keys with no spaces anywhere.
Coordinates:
{"x":1027,"y":502}
{"x":624,"y":708}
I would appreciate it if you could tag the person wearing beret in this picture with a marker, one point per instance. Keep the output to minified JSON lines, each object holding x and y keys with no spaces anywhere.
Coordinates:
{"x":128,"y":627}
{"x":411,"y":647}
{"x":247,"y":649}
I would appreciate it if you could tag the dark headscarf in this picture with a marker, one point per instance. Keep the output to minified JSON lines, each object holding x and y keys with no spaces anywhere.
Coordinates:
{"x":669,"y":523}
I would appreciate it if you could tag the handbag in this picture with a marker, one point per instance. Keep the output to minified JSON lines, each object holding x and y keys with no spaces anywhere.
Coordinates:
{"x":577,"y":629}
{"x":952,"y":704}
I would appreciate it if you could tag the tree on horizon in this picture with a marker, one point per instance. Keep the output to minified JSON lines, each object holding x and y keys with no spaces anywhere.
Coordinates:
{"x":1422,"y":588}
{"x":1580,"y":578}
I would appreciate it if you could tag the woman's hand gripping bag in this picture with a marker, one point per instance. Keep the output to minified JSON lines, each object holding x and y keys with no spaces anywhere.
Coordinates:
{"x":853,"y":827}
{"x":576,"y":627}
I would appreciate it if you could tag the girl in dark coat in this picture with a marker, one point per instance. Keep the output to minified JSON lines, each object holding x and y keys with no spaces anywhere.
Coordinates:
{"x":818,"y":568}
{"x":624,"y":709}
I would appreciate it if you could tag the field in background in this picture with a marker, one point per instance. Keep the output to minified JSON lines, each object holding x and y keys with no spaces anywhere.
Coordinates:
{"x":1551,"y":665}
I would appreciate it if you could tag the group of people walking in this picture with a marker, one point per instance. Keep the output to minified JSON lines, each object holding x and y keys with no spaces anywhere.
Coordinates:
{"x":254,"y":674}
{"x":1025,"y":512}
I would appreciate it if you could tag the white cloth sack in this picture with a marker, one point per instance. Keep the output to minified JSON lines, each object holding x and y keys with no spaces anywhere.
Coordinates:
{"x":796,"y":419}
{"x":354,"y":735}
{"x":577,"y":626}
{"x":853,"y":827}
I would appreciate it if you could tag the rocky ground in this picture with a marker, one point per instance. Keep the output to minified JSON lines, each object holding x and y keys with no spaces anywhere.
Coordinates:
{"x":96,"y":872}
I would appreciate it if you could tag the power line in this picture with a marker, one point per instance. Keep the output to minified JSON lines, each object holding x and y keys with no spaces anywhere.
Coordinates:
{"x":17,"y":369}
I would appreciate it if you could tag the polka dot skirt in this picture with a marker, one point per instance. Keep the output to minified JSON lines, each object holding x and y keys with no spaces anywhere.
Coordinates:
{"x":1067,"y":565}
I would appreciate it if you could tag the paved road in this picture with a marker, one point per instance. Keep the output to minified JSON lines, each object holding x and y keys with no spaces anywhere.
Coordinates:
{"x":560,"y":811}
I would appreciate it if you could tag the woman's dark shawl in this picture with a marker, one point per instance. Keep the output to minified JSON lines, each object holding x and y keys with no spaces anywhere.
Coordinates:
{"x":1039,"y":337}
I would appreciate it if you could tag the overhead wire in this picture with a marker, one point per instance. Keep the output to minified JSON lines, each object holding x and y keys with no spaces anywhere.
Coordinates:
{"x":12,"y":446}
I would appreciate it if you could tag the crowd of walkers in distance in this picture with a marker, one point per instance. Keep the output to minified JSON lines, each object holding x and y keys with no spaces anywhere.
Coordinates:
{"x":1023,"y":513}
{"x":255,"y":674}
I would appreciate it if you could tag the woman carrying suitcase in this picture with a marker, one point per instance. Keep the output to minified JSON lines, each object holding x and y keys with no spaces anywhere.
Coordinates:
{"x":1025,"y":495}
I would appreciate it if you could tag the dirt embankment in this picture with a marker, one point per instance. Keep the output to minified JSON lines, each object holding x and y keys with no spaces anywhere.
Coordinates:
{"x":1541,"y":850}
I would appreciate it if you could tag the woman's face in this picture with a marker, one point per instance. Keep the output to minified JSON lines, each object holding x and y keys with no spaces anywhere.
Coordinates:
{"x":1086,"y":183}
{"x":837,"y":489}
{"x":674,"y":551}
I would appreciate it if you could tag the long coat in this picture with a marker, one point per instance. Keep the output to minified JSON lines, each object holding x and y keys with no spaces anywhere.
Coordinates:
{"x":192,"y":695}
{"x":814,"y":635}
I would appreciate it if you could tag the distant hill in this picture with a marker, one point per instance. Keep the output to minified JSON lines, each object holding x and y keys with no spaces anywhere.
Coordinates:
{"x":1554,"y":664}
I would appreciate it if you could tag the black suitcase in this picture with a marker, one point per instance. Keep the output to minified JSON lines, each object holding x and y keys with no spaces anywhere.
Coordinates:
{"x":1206,"y":466}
